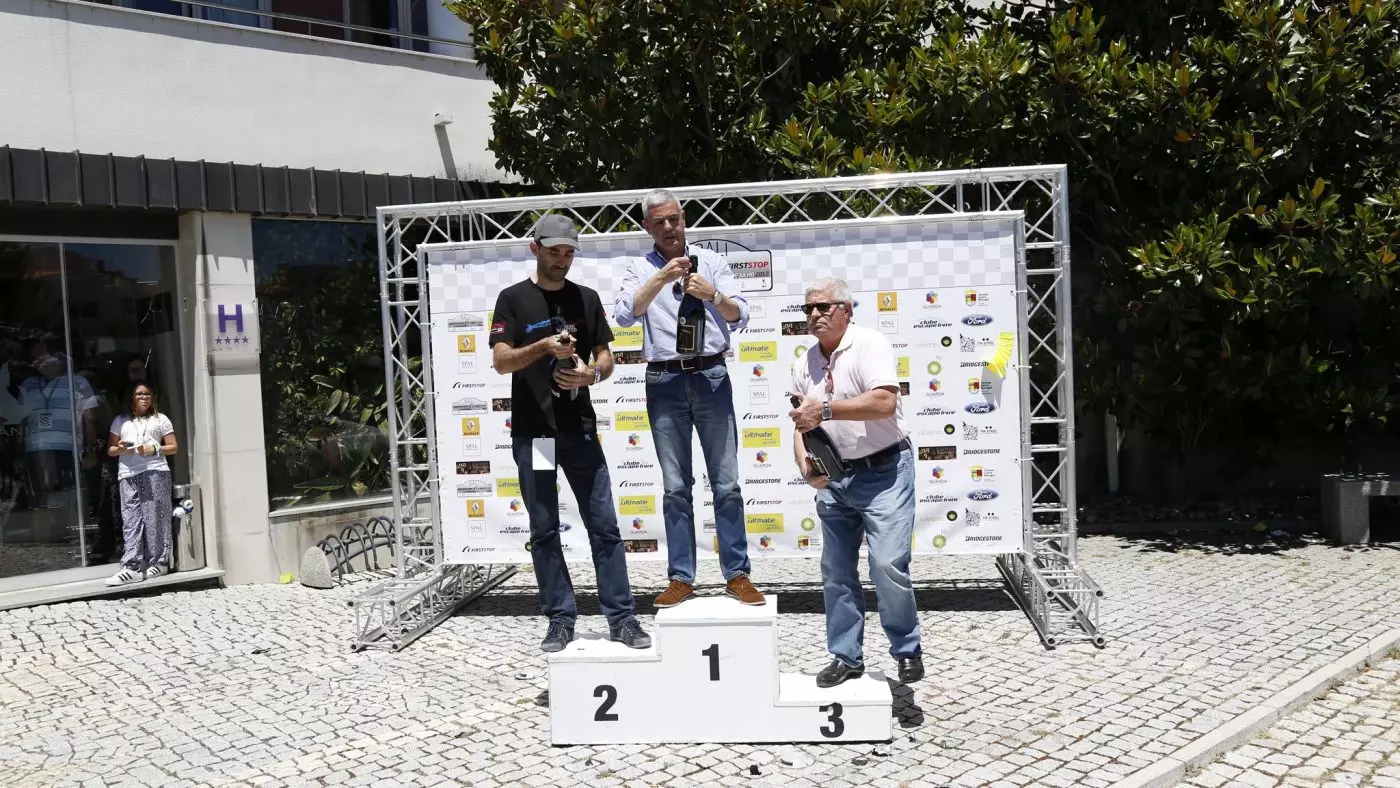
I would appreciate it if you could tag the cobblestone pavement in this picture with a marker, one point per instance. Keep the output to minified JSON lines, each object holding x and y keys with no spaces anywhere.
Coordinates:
{"x":255,"y":686}
{"x":1349,"y":738}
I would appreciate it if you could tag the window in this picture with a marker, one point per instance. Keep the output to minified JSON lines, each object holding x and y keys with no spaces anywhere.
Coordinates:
{"x":324,"y":413}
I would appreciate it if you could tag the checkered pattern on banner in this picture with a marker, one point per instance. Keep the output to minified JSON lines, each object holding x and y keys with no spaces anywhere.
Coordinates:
{"x":941,"y":291}
{"x":892,"y":256}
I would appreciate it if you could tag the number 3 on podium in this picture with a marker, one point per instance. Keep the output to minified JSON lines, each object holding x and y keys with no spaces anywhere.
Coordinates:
{"x":837,"y":726}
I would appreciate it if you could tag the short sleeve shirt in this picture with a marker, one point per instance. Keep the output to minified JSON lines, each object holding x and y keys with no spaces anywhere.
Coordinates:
{"x":863,"y":361}
{"x":145,"y":431}
{"x":526,"y":313}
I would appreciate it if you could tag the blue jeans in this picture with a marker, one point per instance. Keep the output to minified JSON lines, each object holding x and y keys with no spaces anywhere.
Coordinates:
{"x":702,"y":400}
{"x":581,"y":459}
{"x":878,"y":502}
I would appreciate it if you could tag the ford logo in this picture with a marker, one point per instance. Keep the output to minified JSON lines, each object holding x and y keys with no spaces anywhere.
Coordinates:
{"x":977,"y":320}
{"x":565,"y":526}
{"x":981,"y":495}
{"x":979,"y":407}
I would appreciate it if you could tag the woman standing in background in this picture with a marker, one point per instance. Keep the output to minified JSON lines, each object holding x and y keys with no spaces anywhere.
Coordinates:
{"x":142,"y":438}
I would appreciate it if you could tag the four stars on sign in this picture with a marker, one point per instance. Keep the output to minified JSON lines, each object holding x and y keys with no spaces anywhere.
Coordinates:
{"x":230,"y":340}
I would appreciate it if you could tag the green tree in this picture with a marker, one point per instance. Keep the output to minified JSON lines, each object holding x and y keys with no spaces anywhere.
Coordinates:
{"x":1234,"y":165}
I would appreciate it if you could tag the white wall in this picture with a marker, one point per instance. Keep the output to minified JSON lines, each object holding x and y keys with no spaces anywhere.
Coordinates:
{"x":82,"y":76}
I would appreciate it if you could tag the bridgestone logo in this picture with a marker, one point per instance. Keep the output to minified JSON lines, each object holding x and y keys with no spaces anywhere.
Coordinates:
{"x":981,"y":451}
{"x":982,"y":539}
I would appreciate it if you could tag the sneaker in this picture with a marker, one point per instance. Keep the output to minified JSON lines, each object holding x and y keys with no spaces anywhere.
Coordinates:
{"x":630,"y":634}
{"x":837,"y":672}
{"x":741,"y":589}
{"x":125,"y":576}
{"x":675,"y":593}
{"x":558,"y":636}
{"x":156,"y":570}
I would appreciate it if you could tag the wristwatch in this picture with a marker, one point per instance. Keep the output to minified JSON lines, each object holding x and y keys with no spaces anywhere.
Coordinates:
{"x":717,"y":297}
{"x":826,"y":411}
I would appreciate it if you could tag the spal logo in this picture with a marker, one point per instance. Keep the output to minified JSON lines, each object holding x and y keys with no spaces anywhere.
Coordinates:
{"x":763,"y":523}
{"x":506,"y":488}
{"x":939,"y":541}
{"x":808,"y":524}
{"x":758,"y":351}
{"x":631,"y":420}
{"x":762,"y":437}
{"x":935,"y":368}
{"x":628,"y":337}
{"x":637,"y":504}
{"x":901,"y":367}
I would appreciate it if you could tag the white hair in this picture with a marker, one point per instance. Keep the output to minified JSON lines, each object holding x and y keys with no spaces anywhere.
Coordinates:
{"x":657,"y":197}
{"x":838,"y":287}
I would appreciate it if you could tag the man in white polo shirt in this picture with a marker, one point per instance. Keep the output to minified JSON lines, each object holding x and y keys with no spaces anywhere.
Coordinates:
{"x":848,"y":386}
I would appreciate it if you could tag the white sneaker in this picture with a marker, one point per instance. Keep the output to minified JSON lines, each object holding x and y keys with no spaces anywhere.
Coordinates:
{"x":125,"y":576}
{"x":155,"y":570}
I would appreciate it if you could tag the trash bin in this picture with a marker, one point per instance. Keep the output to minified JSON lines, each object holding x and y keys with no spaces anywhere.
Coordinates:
{"x":187,"y":529}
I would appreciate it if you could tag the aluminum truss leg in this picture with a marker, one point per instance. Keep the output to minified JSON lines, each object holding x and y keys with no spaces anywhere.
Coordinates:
{"x":1061,"y":601}
{"x":397,"y":611}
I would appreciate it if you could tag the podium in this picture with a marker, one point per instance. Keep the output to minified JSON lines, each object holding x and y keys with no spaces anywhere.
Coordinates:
{"x":711,"y":675}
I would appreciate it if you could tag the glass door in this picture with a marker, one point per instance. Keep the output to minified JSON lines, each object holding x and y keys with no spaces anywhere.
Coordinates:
{"x":80,"y":324}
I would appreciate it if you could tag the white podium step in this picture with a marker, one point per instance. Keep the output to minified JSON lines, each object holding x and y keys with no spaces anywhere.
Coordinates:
{"x":711,"y":675}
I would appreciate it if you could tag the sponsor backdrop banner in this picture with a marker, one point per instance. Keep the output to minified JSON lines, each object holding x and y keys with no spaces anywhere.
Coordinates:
{"x":942,"y":291}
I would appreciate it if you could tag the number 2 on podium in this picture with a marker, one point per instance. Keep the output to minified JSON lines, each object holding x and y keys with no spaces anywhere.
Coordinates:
{"x":609,"y":695}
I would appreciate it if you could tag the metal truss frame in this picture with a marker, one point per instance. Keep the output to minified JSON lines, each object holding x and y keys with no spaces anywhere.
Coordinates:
{"x":1057,"y":595}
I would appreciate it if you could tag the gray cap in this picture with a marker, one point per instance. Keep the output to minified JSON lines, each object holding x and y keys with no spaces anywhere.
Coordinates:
{"x":555,"y":230}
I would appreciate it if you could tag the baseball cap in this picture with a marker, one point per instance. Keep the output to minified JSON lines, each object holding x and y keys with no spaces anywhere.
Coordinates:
{"x":556,"y":230}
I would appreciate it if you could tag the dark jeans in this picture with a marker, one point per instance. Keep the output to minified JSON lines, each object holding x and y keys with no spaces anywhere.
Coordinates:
{"x":581,"y":459}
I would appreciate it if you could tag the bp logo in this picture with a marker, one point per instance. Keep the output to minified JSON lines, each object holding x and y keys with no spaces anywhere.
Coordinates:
{"x":951,"y":515}
{"x":798,"y":351}
{"x":934,"y":367}
{"x":940,"y":541}
{"x":946,"y":341}
{"x":808,"y":523}
{"x":949,"y":429}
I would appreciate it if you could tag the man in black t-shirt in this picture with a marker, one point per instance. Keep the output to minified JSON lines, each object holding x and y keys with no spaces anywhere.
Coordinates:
{"x":540,"y":328}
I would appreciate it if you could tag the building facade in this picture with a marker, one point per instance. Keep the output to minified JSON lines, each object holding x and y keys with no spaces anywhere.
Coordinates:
{"x":187,"y":193}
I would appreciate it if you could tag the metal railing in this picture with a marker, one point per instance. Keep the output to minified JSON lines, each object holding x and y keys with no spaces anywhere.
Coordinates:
{"x":402,"y":37}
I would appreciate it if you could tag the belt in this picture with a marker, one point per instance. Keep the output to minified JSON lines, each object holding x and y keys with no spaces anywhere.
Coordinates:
{"x":884,"y":456}
{"x":687,"y":364}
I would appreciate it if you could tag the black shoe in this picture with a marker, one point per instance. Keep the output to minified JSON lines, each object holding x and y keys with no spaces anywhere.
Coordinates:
{"x":630,"y":634}
{"x":557,"y":637}
{"x":837,"y":672}
{"x":911,"y":669}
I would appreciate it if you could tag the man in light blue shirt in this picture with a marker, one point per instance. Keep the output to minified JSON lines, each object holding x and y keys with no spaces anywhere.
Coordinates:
{"x":689,"y":391}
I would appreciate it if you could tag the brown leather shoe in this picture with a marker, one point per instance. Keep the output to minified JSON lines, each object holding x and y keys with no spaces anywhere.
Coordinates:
{"x":741,"y":589}
{"x":675,"y":593}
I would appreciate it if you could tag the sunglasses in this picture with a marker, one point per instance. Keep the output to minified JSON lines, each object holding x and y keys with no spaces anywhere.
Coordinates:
{"x":821,"y":307}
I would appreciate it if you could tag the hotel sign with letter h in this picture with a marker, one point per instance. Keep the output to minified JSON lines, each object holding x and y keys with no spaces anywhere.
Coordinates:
{"x":233,"y":328}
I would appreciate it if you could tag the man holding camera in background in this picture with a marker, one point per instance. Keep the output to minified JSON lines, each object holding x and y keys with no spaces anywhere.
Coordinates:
{"x":551,"y":336}
{"x":688,"y":303}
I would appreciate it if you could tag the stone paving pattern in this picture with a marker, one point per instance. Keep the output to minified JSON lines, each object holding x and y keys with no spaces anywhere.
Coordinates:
{"x":255,"y":685}
{"x":1349,"y":738}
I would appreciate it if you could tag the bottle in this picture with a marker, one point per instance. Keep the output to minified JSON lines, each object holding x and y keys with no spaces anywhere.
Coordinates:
{"x":690,"y":320}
